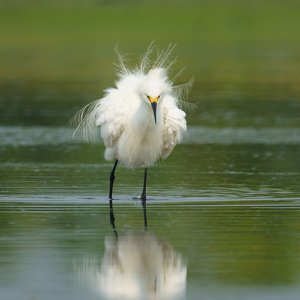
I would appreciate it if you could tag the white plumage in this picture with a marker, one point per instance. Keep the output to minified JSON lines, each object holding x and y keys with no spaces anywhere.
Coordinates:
{"x":136,"y":266}
{"x":139,"y":120}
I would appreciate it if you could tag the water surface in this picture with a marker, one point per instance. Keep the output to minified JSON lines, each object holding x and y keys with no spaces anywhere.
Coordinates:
{"x":223,"y":212}
{"x":223,"y":208}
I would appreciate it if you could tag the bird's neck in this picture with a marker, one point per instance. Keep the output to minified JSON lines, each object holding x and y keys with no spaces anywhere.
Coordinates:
{"x":143,"y":118}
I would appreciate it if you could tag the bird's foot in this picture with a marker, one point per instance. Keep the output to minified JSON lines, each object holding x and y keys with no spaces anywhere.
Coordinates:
{"x":142,"y":197}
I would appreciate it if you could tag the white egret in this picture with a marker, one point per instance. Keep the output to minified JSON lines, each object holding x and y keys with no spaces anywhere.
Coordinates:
{"x":139,"y":120}
{"x":136,"y":266}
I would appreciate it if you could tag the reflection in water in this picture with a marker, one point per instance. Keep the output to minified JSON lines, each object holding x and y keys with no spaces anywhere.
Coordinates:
{"x":136,"y":266}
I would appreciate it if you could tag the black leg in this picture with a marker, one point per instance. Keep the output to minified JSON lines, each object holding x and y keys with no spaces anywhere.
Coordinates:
{"x":112,"y":178}
{"x":143,"y":197}
{"x":111,"y":214}
{"x":112,"y":217}
{"x":145,"y":214}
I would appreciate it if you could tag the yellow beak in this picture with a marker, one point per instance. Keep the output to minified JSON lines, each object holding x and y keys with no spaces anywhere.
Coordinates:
{"x":153,"y":102}
{"x":153,"y":99}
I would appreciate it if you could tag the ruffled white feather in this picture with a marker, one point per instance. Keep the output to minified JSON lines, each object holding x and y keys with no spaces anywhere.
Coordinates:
{"x":124,"y":117}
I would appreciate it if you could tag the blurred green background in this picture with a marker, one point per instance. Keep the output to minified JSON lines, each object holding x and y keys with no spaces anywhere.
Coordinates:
{"x":59,"y":54}
{"x":236,"y":179}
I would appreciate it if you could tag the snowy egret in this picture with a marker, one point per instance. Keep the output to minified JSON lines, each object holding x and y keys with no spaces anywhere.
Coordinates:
{"x":140,"y":120}
{"x":137,"y":265}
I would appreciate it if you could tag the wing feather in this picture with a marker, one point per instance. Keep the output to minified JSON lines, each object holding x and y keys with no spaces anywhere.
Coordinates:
{"x":112,"y":117}
{"x":174,"y":125}
{"x":108,"y":113}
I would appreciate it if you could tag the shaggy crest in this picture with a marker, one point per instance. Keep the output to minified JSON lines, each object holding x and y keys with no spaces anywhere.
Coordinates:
{"x":86,"y":118}
{"x":164,"y":60}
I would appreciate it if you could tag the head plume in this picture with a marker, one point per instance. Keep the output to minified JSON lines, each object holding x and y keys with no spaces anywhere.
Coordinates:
{"x":161,"y":67}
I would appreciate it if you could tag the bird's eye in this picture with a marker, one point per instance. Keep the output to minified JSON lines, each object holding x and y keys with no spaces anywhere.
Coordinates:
{"x":158,"y":97}
{"x":148,"y":97}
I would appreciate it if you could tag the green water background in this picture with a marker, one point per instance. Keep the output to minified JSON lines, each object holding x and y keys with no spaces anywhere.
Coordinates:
{"x":227,"y":198}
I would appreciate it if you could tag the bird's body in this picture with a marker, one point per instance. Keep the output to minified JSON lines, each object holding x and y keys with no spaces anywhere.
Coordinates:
{"x":128,"y":127}
{"x":139,"y":120}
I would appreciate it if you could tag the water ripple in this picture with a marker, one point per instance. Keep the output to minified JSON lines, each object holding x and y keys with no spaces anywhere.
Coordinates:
{"x":37,"y":135}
